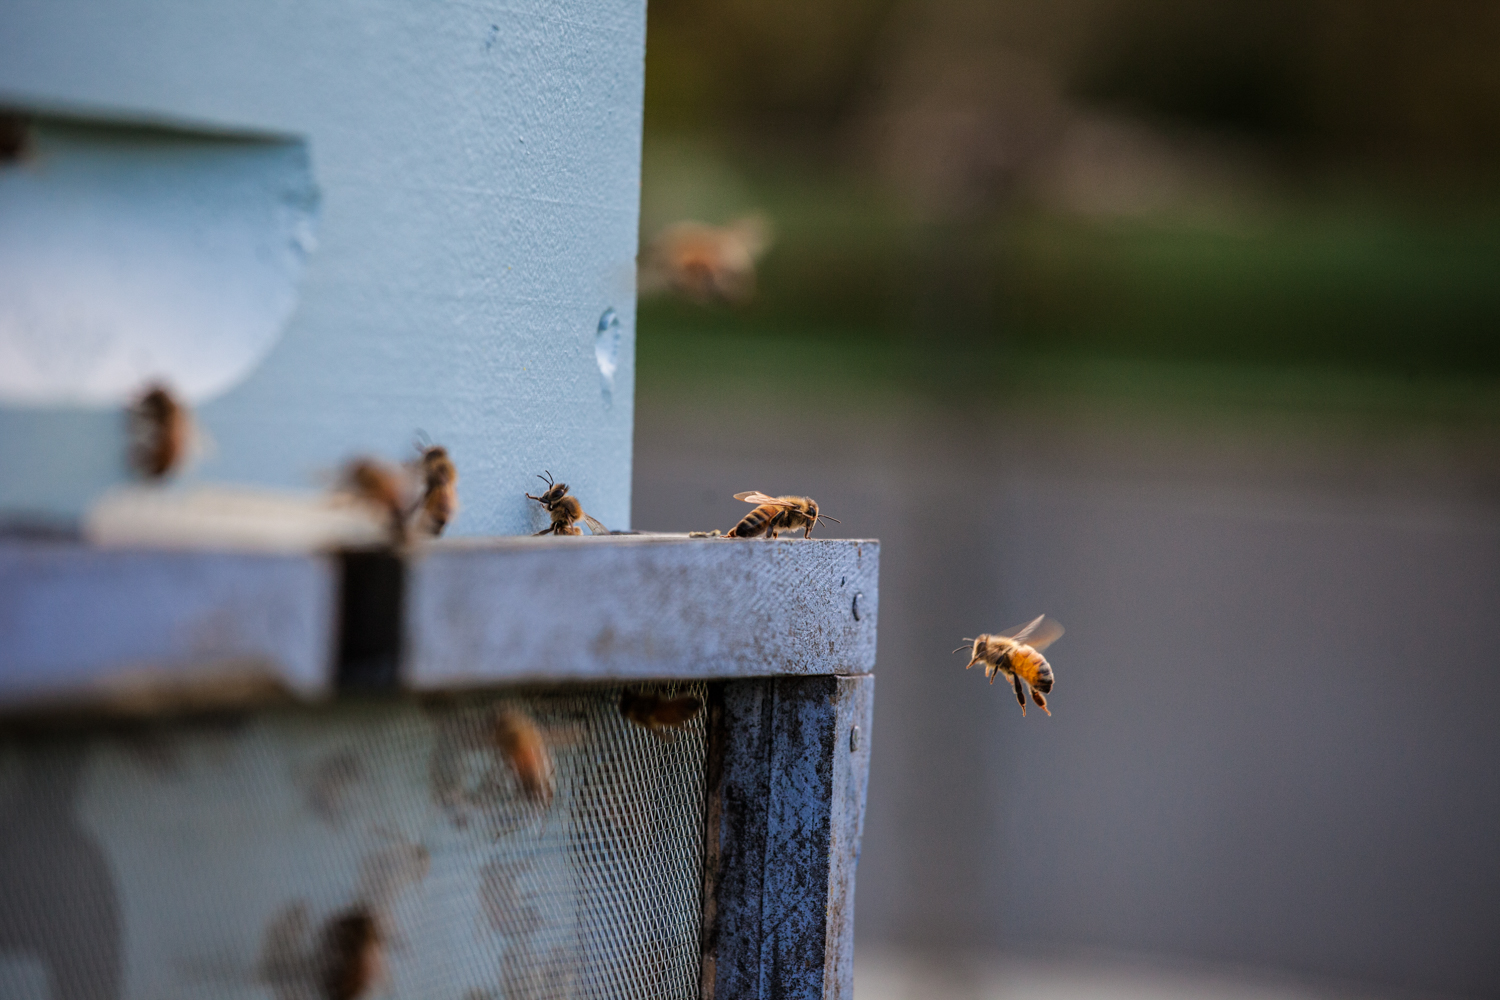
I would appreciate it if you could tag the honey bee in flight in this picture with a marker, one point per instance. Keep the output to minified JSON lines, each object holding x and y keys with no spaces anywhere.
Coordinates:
{"x":522,"y":745}
{"x":383,"y":487}
{"x":1017,"y":655}
{"x":161,"y":432}
{"x":706,"y":263}
{"x":656,"y":713}
{"x":353,"y":958}
{"x":439,"y":490}
{"x":773,"y":515}
{"x":565,"y":509}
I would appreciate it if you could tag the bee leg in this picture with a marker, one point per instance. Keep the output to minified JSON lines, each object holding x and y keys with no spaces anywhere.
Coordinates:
{"x":1040,"y":701}
{"x":544,"y":531}
{"x":1020,"y":686}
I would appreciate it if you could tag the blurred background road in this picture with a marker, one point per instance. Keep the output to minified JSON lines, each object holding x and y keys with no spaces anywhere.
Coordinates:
{"x":1179,"y":321}
{"x":1273,"y":735}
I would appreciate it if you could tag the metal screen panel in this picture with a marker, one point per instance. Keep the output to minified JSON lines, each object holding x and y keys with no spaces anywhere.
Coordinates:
{"x":215,"y":858}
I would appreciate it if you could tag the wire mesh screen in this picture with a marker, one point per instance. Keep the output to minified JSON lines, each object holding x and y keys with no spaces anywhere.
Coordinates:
{"x":369,"y":849}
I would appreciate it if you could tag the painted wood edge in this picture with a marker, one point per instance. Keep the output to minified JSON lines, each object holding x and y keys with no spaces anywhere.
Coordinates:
{"x":602,"y":610}
{"x":854,"y":716}
{"x":158,"y":630}
{"x":145,"y":632}
{"x":783,"y":818}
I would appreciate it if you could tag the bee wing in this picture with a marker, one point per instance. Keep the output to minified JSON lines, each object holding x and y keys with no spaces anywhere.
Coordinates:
{"x":595,"y":526}
{"x":1039,"y":633}
{"x":757,"y":497}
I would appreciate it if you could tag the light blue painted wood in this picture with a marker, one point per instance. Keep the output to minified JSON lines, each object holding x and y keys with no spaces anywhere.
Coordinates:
{"x":478,"y":166}
{"x":133,"y":254}
{"x":82,"y":624}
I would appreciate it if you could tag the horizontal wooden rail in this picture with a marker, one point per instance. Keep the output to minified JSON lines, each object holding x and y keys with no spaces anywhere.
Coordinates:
{"x":142,"y":628}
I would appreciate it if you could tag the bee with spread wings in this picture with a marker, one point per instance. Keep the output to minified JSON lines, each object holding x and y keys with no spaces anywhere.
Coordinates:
{"x":1016,"y":654}
{"x":773,"y":515}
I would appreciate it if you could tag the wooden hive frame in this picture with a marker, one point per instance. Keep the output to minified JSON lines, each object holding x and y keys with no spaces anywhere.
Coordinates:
{"x":781,"y":632}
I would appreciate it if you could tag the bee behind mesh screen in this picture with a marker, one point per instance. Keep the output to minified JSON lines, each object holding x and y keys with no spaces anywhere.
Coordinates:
{"x":226,"y":855}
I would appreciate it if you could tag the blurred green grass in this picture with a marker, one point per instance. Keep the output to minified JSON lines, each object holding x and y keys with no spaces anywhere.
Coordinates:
{"x":1337,"y":299}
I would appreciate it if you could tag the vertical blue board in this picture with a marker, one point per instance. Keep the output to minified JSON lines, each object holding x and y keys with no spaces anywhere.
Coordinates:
{"x":477,"y":173}
{"x":769,"y":842}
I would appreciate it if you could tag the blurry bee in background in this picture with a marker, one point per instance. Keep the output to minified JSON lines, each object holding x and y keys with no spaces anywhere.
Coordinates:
{"x":161,"y":433}
{"x":774,"y":515}
{"x":656,"y":713}
{"x":1017,"y":655}
{"x":382,"y":486}
{"x":565,"y":509}
{"x":521,"y":744}
{"x":15,"y":142}
{"x":439,"y":490}
{"x":706,"y":263}
{"x":353,"y":957}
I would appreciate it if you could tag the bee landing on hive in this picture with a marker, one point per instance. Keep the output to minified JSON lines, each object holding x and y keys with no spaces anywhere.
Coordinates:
{"x":353,"y":963}
{"x":659,"y":713}
{"x":521,"y":743}
{"x":163,"y":435}
{"x":439,"y":489}
{"x":565,"y":509}
{"x":421,"y":495}
{"x":1016,"y":654}
{"x":774,"y":515}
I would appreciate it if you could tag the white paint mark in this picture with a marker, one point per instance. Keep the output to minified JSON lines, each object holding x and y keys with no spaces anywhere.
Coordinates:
{"x":129,"y":254}
{"x":607,"y":350}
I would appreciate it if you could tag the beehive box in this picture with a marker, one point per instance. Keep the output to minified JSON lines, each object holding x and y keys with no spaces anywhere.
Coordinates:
{"x":331,"y":227}
{"x":191,"y":819}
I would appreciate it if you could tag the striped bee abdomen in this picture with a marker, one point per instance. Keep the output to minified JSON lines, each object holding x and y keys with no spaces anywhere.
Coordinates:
{"x":757,"y":522}
{"x":1032,"y":667}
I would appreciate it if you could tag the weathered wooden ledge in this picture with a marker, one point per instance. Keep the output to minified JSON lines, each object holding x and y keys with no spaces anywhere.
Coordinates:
{"x":135,"y":627}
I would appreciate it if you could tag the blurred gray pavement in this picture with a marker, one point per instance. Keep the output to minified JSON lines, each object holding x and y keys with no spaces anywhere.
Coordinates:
{"x":1275,"y":739}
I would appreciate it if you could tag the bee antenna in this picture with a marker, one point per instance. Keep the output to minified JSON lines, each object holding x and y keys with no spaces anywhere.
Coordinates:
{"x":548,"y":479}
{"x":825,"y":517}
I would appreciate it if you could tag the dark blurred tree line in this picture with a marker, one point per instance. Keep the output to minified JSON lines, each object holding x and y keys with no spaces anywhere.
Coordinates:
{"x":1409,"y":82}
{"x":1019,"y":159}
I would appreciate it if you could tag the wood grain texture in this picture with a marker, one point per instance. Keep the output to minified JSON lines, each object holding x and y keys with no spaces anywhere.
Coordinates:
{"x":785,"y":810}
{"x":854,"y":709}
{"x":149,"y":627}
{"x":640,"y":606}
{"x":142,"y":627}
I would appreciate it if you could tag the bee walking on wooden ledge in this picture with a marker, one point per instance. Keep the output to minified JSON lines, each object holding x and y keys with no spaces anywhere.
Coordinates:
{"x":565,"y":509}
{"x":439,"y":489}
{"x":390,"y":491}
{"x":1016,"y":654}
{"x":383,"y":487}
{"x":774,"y":515}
